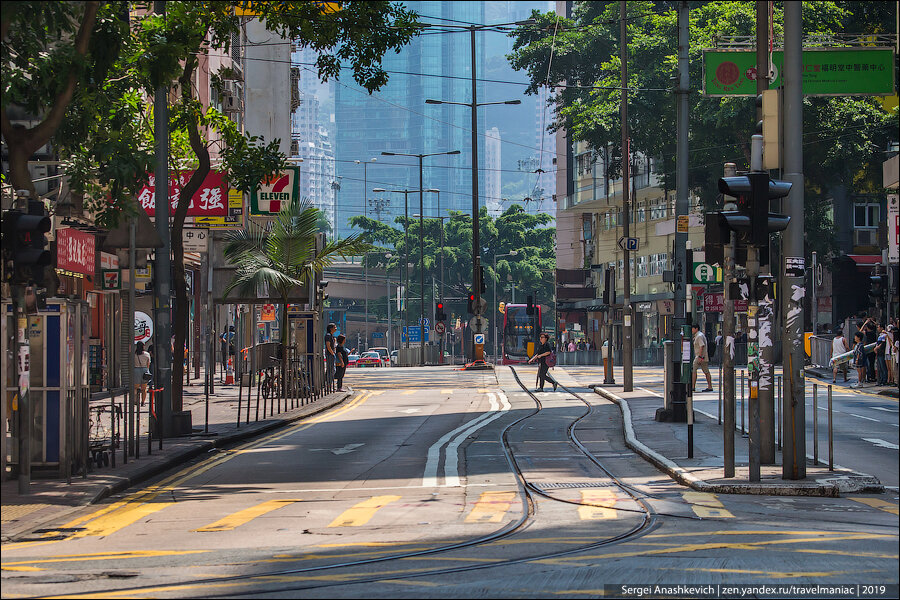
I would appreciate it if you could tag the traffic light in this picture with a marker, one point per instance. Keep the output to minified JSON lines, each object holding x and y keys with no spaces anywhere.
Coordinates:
{"x":320,"y":288}
{"x":25,"y":253}
{"x":482,"y":280}
{"x":439,"y":313}
{"x":501,"y":308}
{"x":529,"y":309}
{"x":609,"y":286}
{"x":470,"y":306}
{"x":876,"y":289}
{"x":752,"y":221}
{"x":770,"y":127}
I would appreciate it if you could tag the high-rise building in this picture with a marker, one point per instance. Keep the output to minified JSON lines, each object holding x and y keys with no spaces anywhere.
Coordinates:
{"x":436,"y":65}
{"x":492,"y":172}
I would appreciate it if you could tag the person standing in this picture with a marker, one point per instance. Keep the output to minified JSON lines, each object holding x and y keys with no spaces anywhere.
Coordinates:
{"x":141,"y":368}
{"x":869,"y":337}
{"x":859,"y":357}
{"x":329,"y":352}
{"x":341,"y":360}
{"x":880,"y":350}
{"x":540,"y":354}
{"x":701,"y":358}
{"x":839,"y":346}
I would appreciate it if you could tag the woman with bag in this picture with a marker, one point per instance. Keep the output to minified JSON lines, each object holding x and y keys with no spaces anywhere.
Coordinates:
{"x":141,"y":375}
{"x":542,"y":354}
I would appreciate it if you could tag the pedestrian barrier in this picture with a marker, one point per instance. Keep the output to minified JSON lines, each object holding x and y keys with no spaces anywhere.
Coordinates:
{"x":816,"y":428}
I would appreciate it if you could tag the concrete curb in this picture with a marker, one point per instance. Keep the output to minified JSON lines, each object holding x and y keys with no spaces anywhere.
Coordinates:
{"x":192,"y":452}
{"x":833,"y":488}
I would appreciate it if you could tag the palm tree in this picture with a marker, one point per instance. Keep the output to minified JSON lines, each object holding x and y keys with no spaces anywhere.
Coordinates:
{"x":286,"y":258}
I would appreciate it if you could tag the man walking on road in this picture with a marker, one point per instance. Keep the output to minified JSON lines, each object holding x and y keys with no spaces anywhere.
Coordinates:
{"x":701,"y":358}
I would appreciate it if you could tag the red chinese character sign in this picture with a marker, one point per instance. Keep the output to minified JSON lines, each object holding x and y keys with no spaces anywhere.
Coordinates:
{"x":211,"y":200}
{"x":75,"y":251}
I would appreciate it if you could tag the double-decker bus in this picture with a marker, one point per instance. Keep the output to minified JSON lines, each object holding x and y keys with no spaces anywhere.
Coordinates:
{"x":519,"y":330}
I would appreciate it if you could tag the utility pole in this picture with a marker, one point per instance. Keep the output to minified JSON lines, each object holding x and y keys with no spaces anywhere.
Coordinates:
{"x":794,"y":287}
{"x":628,"y":377}
{"x":681,"y":167}
{"x":728,"y":337}
{"x":765,"y":314}
{"x":476,"y":240}
{"x":163,"y":264}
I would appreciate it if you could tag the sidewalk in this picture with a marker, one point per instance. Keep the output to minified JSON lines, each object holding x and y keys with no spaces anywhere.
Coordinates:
{"x":665,"y":445}
{"x":53,"y":499}
{"x":891,"y":390}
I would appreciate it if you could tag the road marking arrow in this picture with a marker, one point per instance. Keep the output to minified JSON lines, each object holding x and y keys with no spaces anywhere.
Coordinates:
{"x":338,"y":451}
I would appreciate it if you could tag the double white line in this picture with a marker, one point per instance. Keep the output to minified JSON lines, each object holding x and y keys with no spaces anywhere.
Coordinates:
{"x":453,"y":439}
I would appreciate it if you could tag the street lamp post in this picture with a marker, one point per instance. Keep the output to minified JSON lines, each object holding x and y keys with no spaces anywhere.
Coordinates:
{"x":365,"y":165}
{"x":406,"y":252}
{"x":496,"y":304}
{"x":421,"y":245}
{"x":476,"y":243}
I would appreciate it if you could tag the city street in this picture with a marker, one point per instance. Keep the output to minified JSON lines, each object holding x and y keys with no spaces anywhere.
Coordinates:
{"x":410,"y":489}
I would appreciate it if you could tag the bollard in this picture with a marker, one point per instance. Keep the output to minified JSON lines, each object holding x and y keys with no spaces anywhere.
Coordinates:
{"x":743,"y":430}
{"x":830,"y":434}
{"x":720,"y":393}
{"x":112,"y":429}
{"x":815,"y":423}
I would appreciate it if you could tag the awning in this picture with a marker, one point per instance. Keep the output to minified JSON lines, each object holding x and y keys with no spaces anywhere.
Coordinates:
{"x":866,"y":260}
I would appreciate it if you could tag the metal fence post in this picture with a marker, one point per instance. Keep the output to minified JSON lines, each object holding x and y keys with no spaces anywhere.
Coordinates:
{"x":830,"y":434}
{"x":815,"y":423}
{"x":719,"y":414}
{"x":743,"y":430}
{"x":778,"y":409}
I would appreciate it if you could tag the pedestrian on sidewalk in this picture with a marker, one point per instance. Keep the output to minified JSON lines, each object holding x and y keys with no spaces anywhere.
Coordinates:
{"x":869,"y":337}
{"x":701,"y":358}
{"x":541,"y":354}
{"x":880,"y":351}
{"x":891,"y":357}
{"x":859,"y":357}
{"x":342,"y":359}
{"x":329,"y":353}
{"x":141,"y":370}
{"x":839,"y":346}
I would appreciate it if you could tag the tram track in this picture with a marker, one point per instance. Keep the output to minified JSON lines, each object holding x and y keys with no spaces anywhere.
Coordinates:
{"x":527,"y":491}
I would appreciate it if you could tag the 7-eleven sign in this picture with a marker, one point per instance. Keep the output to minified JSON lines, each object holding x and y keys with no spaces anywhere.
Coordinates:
{"x":275,"y":192}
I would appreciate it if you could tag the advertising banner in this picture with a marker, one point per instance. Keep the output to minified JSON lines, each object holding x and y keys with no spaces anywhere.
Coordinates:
{"x":75,"y":251}
{"x":275,"y":192}
{"x":211,"y":200}
{"x":866,"y":71}
{"x":893,"y":227}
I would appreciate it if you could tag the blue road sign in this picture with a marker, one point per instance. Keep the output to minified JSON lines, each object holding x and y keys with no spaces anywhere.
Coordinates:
{"x":415,"y":334}
{"x":377,"y":334}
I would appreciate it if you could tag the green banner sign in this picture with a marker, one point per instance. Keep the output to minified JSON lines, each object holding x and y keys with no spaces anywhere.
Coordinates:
{"x":826,"y":72}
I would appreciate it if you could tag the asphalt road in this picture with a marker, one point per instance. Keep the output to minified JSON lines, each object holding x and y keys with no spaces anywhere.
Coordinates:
{"x":409,"y":490}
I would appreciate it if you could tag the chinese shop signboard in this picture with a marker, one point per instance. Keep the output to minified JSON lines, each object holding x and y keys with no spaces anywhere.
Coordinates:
{"x":75,"y":251}
{"x":863,"y":71}
{"x":211,"y":200}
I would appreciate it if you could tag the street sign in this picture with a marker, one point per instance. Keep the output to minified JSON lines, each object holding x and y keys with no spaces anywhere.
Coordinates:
{"x":195,"y":240}
{"x":143,"y":327}
{"x":705,"y":273}
{"x":479,"y":338}
{"x":826,"y":72}
{"x":481,"y":306}
{"x":414,"y":333}
{"x":893,"y":227}
{"x":424,"y":321}
{"x":478,"y":324}
{"x":377,"y":334}
{"x":794,"y":266}
{"x":683,"y":224}
{"x":440,"y":328}
{"x":629,"y":243}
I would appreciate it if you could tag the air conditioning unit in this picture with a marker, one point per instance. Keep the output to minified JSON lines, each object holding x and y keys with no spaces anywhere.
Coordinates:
{"x":231,"y":102}
{"x":866,"y":237}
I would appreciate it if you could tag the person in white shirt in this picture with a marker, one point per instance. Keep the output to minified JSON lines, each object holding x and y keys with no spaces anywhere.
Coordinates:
{"x":141,"y":368}
{"x":839,"y":346}
{"x":701,"y":358}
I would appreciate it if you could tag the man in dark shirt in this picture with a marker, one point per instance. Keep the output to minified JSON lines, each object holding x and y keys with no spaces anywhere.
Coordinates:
{"x":329,"y":353}
{"x":342,"y":359}
{"x":540,"y":354}
{"x":869,"y":335}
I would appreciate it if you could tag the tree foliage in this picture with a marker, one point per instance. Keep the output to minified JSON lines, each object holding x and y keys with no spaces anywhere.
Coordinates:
{"x":843,"y":136}
{"x":531,"y":270}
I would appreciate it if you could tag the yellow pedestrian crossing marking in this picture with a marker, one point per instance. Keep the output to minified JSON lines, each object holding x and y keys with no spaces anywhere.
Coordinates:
{"x":879,"y":504}
{"x":446,"y":391}
{"x":361,"y":513}
{"x":243,"y":516}
{"x":118,"y":519}
{"x":707,"y":505}
{"x":409,"y":392}
{"x":601,"y":502}
{"x":491,"y":507}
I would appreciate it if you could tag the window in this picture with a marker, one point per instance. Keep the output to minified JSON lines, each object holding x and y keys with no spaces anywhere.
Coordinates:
{"x":621,"y":270}
{"x":865,"y":215}
{"x":641,"y":214}
{"x":654,"y":265}
{"x":642,"y":266}
{"x":658,"y":210}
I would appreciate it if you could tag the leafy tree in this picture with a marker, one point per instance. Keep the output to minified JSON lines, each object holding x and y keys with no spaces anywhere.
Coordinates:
{"x":843,"y":135}
{"x":531,"y":269}
{"x":285,"y":259}
{"x":114,"y":68}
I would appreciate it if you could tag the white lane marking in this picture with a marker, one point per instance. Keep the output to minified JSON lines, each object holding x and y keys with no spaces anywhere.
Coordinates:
{"x":862,"y":417}
{"x":451,"y":455}
{"x":434,"y":452}
{"x":652,"y":392}
{"x":882,"y":444}
{"x":890,"y":410}
{"x":338,"y":451}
